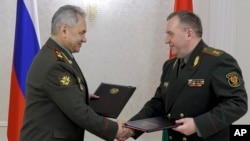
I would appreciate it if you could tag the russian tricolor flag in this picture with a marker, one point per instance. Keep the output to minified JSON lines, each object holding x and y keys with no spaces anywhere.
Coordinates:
{"x":26,"y":45}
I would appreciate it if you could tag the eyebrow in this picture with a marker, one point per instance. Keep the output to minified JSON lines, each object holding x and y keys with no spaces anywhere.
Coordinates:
{"x":169,"y":32}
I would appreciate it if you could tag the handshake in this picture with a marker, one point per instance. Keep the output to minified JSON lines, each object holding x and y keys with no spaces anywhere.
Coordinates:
{"x":123,"y":133}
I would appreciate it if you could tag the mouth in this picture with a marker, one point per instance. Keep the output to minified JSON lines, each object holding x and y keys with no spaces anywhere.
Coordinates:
{"x":171,"y":46}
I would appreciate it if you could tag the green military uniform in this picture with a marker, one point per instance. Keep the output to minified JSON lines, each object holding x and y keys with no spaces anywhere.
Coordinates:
{"x":210,"y":89}
{"x":57,"y":100}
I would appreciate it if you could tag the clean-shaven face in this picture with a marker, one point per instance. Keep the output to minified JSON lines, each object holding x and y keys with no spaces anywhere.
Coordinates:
{"x":76,"y":35}
{"x":176,"y":37}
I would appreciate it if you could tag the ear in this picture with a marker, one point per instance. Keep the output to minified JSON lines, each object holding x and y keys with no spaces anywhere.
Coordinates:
{"x":64,"y":30}
{"x":190,"y":33}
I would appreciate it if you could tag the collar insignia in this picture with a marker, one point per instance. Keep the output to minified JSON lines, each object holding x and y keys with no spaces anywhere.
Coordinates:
{"x":196,"y":60}
{"x":59,"y":54}
{"x":175,"y":63}
{"x":62,"y":57}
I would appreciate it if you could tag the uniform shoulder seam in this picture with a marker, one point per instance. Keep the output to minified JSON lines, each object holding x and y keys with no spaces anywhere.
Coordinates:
{"x":212,"y":51}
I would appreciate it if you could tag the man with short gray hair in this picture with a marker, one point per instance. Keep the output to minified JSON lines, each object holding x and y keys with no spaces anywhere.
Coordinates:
{"x":57,"y":97}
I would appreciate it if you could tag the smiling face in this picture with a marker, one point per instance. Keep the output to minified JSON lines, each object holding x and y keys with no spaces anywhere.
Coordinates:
{"x":74,"y":36}
{"x":177,"y":37}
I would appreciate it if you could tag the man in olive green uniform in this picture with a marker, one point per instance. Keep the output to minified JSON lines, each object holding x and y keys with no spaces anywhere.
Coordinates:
{"x":206,"y":94}
{"x":57,"y":93}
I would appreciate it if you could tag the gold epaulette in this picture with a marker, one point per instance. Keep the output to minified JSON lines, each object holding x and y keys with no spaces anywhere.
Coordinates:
{"x":212,"y":51}
{"x":60,"y":56}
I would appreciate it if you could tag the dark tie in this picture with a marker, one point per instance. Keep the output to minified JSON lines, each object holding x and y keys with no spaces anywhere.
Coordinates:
{"x":181,"y":66}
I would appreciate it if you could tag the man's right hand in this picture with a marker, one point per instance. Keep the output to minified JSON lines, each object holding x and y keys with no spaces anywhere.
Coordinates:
{"x":123,"y":133}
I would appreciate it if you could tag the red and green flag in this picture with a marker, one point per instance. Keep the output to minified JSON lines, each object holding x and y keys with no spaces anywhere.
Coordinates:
{"x":178,"y":5}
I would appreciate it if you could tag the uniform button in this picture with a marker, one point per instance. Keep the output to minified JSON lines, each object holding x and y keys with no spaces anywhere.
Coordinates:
{"x":169,"y":115}
{"x":181,"y":115}
{"x":184,"y":139}
{"x":170,"y":137}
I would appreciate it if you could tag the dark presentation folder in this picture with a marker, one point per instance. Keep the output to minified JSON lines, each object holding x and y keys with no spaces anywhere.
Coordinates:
{"x":113,"y":99}
{"x":151,"y":124}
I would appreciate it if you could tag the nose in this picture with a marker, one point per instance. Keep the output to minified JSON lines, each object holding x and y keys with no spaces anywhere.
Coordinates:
{"x":84,"y":39}
{"x":167,"y":40}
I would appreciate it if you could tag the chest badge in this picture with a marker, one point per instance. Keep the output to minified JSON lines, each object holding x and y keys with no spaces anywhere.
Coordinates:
{"x":196,"y":82}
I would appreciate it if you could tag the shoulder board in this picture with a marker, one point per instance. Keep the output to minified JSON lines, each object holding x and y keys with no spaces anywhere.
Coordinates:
{"x":60,"y":56}
{"x":212,"y":51}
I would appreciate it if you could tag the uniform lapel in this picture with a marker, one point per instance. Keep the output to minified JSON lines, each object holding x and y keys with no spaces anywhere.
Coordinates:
{"x":78,"y":73}
{"x":77,"y":68}
{"x":178,"y":83}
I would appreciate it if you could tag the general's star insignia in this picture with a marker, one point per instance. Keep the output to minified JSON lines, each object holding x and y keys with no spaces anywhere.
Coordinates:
{"x":65,"y":79}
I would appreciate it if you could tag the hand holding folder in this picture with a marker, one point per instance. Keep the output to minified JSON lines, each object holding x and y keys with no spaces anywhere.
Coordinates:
{"x":151,"y":124}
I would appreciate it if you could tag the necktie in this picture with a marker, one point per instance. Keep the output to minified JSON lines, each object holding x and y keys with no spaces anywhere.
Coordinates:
{"x":181,"y":66}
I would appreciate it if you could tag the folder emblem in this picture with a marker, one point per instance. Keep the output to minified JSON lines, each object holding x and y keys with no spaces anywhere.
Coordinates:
{"x":111,"y":95}
{"x":114,"y":91}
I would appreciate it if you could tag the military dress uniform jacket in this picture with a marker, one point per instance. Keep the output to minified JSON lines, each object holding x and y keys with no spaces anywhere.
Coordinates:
{"x":210,"y":89}
{"x":57,"y":100}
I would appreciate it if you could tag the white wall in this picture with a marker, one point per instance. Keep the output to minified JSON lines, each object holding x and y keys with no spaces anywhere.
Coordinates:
{"x":126,"y":44}
{"x":7,"y":28}
{"x":243,"y":50}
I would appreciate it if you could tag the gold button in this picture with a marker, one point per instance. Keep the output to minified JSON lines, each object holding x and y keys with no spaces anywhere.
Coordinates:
{"x":184,"y":139}
{"x":181,"y":115}
{"x":170,"y":137}
{"x":169,"y":115}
